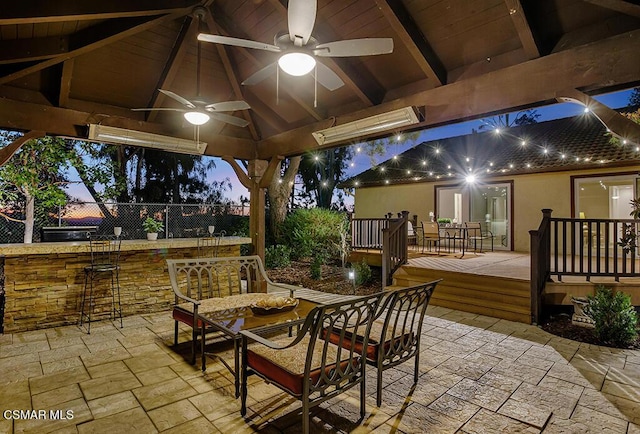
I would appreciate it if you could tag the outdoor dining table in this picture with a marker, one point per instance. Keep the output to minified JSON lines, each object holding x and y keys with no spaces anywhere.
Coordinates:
{"x":452,"y":234}
{"x":231,"y":321}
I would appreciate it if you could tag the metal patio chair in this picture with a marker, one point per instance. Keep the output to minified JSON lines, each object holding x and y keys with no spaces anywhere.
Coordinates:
{"x":307,"y":366}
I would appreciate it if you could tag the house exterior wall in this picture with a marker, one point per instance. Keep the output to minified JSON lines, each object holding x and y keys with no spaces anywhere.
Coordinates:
{"x":531,"y":193}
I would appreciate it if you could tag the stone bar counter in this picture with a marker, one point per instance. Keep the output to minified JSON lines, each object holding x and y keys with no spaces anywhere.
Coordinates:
{"x":43,"y":282}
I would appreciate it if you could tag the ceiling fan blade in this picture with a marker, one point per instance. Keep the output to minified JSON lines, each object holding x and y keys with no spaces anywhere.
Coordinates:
{"x":230,"y":119}
{"x":148,"y":109}
{"x":355,"y":47}
{"x":327,"y":77}
{"x":301,"y":15}
{"x":178,"y":98}
{"x":236,"y":42}
{"x":260,"y":75}
{"x":227,"y":106}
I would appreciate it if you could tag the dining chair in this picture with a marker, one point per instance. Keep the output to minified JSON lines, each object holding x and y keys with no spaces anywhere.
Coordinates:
{"x":411,"y":234}
{"x":396,"y":330}
{"x":308,"y":366}
{"x":475,"y":234}
{"x":105,"y":261}
{"x":431,"y":234}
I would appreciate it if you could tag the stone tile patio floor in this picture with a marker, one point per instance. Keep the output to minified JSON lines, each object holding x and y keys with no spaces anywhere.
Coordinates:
{"x":478,"y":375}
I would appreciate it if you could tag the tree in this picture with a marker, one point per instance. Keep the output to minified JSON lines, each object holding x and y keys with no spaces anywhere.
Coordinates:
{"x":379,"y":147}
{"x":279,"y":193}
{"x":321,"y":171}
{"x":100,"y":168}
{"x":36,"y":173}
{"x":634,"y":98}
{"x":525,"y":117}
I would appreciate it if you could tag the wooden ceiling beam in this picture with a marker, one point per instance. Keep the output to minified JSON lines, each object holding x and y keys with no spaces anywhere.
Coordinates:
{"x":17,"y":115}
{"x":29,"y":50}
{"x":521,"y":24}
{"x":7,"y":152}
{"x":600,"y":65}
{"x":231,"y":74}
{"x":47,"y":11}
{"x":266,"y":113}
{"x":172,"y":66}
{"x":616,"y":123}
{"x":94,"y":38}
{"x":65,"y":83}
{"x":414,"y":40}
{"x":621,"y":6}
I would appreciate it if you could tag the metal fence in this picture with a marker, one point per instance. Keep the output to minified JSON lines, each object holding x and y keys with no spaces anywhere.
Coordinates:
{"x":180,"y":221}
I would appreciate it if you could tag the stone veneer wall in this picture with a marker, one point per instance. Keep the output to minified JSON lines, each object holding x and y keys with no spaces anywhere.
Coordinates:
{"x":45,"y":290}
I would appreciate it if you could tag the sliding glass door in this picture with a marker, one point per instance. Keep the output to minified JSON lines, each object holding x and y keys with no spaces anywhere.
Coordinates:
{"x":488,"y":204}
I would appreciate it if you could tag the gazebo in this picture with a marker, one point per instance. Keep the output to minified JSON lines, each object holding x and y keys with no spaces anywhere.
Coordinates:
{"x":70,"y":69}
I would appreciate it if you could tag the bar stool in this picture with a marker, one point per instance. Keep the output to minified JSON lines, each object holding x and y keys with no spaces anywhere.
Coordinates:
{"x":105,"y":257}
{"x":208,"y":246}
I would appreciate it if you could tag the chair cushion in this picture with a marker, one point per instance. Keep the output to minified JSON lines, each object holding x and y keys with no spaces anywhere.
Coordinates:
{"x":286,"y":367}
{"x":375,"y":338}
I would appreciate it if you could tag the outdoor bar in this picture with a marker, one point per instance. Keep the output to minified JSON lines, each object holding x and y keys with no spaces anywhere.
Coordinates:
{"x":43,"y":281}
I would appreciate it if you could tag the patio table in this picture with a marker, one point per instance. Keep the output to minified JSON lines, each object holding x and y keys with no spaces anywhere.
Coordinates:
{"x":454,"y":234}
{"x":231,"y":321}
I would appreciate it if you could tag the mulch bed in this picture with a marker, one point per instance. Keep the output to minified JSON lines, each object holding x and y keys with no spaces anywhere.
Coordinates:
{"x":560,"y":325}
{"x":335,"y":280}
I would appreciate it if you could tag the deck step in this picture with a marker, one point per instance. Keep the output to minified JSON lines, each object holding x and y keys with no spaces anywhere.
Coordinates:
{"x":499,"y":297}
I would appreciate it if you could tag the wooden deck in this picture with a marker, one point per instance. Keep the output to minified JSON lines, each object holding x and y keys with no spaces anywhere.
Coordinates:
{"x":492,"y":283}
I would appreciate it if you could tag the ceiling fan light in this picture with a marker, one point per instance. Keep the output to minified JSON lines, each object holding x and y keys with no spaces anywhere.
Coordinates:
{"x":297,"y":63}
{"x":196,"y":118}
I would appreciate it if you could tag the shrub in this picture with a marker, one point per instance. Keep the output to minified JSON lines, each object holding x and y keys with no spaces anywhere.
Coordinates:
{"x":362,"y":272}
{"x":313,"y":232}
{"x":615,"y":317}
{"x":316,"y":267}
{"x":277,"y":256}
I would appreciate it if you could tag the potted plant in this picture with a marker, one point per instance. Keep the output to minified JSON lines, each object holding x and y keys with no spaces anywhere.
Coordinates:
{"x":152,"y":227}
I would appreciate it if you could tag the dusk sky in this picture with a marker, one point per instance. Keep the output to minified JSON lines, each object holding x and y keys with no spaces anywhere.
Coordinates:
{"x":362,"y":162}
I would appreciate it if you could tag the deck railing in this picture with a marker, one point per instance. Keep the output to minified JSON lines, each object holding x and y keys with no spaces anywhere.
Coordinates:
{"x":581,"y":247}
{"x":388,"y":235}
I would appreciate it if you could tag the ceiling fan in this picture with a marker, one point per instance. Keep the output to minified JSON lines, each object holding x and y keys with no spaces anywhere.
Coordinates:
{"x":197,"y":111}
{"x":299,"y":48}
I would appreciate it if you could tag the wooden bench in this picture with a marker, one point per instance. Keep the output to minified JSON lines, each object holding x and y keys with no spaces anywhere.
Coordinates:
{"x":209,"y":284}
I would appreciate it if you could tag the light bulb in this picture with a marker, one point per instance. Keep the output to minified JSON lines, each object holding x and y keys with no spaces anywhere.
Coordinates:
{"x":196,"y":118}
{"x":297,"y":63}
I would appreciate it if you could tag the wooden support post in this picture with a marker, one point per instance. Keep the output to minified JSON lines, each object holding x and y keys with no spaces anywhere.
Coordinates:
{"x":256,"y":180}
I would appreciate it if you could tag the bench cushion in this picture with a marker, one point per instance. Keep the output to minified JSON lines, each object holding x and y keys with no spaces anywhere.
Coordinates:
{"x":183,"y":312}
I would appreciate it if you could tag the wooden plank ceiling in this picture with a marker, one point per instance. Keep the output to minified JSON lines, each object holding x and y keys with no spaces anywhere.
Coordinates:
{"x":66,"y":64}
